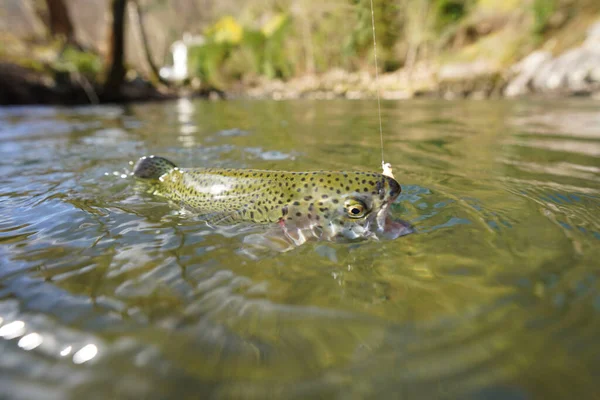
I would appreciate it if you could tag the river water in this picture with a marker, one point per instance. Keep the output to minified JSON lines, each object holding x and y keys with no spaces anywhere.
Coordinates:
{"x":109,"y":292}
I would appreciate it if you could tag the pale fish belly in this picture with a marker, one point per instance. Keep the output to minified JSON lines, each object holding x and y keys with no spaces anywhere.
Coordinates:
{"x":282,"y":238}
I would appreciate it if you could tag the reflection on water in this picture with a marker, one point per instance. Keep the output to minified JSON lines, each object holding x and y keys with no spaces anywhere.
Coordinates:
{"x":109,"y":292}
{"x":32,"y":340}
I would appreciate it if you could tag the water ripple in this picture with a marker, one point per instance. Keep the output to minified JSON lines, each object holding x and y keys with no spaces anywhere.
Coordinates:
{"x":107,"y":291}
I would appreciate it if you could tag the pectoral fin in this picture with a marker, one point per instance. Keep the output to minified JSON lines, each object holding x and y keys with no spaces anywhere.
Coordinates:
{"x":225,"y":218}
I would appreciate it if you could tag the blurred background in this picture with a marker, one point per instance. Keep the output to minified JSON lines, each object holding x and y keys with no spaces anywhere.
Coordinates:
{"x":86,"y":50}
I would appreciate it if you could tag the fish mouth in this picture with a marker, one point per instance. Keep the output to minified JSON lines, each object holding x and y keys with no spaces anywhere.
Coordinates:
{"x":391,"y":228}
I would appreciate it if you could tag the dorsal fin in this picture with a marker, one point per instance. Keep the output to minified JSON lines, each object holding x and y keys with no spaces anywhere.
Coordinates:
{"x":152,"y":167}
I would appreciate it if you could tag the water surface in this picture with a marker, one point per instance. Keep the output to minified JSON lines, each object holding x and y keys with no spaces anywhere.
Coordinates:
{"x":109,"y":292}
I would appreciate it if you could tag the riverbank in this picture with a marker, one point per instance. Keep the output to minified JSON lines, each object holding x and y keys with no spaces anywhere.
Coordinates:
{"x":572,"y":72}
{"x":20,"y":86}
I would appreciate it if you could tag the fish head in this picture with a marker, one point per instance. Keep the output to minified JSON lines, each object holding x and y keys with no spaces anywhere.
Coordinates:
{"x":351,"y":205}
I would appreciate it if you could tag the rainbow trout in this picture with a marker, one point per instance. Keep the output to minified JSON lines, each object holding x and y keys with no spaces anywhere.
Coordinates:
{"x":327,"y":205}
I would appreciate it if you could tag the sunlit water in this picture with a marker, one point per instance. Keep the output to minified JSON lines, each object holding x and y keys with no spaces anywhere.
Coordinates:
{"x":108,"y":292}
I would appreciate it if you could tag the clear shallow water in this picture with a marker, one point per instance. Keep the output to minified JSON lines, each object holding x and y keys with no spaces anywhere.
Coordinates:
{"x":108,"y":292}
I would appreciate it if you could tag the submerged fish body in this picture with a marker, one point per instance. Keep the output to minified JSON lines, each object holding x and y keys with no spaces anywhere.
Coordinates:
{"x":324,"y":204}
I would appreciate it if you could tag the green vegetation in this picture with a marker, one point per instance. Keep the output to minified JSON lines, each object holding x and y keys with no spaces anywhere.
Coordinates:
{"x":319,"y":37}
{"x":542,"y":12}
{"x":83,"y":62}
{"x":231,"y":51}
{"x":314,"y":36}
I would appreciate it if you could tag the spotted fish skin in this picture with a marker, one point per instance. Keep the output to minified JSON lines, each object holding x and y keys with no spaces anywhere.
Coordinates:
{"x":329,"y":203}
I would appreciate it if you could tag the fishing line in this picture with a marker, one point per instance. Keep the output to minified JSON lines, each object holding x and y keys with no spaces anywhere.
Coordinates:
{"x":383,"y":165}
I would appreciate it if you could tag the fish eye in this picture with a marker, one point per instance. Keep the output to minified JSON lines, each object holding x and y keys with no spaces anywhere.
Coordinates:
{"x":355,"y":208}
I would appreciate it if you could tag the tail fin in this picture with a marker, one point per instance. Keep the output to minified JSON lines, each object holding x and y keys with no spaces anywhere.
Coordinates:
{"x":152,"y":167}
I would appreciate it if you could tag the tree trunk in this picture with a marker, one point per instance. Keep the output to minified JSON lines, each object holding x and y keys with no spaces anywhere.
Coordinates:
{"x":59,"y":21}
{"x":139,"y":18}
{"x":116,"y":52}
